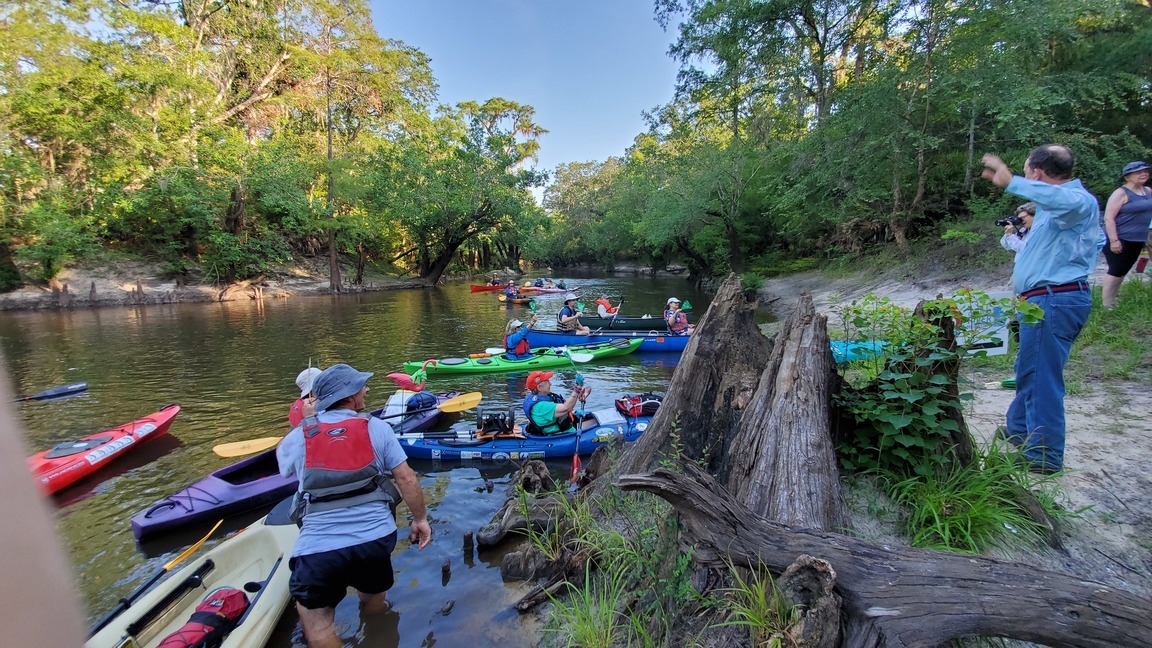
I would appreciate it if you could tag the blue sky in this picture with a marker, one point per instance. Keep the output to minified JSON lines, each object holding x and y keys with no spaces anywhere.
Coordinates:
{"x":588,"y":67}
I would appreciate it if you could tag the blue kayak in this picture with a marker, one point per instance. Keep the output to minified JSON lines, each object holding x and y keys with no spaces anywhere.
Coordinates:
{"x":599,"y":427}
{"x":651,"y":341}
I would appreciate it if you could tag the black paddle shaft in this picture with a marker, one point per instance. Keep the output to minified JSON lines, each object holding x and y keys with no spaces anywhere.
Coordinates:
{"x":55,"y":392}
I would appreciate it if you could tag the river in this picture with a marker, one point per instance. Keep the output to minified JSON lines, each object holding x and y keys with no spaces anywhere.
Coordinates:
{"x":231,"y":367}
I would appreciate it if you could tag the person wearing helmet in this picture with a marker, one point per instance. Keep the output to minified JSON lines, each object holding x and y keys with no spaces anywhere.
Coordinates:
{"x":548,"y":413}
{"x":568,"y":319}
{"x":677,"y":320}
{"x":511,"y":291}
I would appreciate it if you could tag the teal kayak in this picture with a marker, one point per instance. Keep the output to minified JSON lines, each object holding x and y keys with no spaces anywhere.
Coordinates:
{"x":542,"y":358}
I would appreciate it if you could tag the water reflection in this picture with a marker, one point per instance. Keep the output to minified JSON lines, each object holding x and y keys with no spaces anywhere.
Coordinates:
{"x":231,"y":366}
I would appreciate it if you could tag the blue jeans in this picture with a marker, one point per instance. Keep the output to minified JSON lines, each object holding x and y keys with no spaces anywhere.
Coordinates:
{"x":1036,"y":416}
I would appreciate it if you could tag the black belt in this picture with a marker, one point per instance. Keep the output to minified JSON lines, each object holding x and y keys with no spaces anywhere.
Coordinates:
{"x":1046,"y":290}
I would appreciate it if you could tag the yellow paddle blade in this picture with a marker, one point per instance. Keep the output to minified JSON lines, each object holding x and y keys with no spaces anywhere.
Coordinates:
{"x":461,"y":402}
{"x":191,"y":550}
{"x":241,"y":448}
{"x":502,"y":297}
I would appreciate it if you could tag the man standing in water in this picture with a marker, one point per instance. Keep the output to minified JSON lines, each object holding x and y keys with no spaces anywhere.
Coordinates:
{"x":1052,"y":273}
{"x":348,"y":532}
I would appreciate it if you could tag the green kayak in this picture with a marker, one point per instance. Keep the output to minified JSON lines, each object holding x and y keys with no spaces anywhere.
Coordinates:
{"x":542,"y":358}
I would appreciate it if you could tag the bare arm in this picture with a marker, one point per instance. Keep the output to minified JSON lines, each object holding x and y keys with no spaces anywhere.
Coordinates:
{"x":1118,"y":199}
{"x":420,"y":532}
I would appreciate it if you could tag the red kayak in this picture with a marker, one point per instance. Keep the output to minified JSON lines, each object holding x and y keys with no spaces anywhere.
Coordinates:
{"x":484,"y":288}
{"x":66,"y":463}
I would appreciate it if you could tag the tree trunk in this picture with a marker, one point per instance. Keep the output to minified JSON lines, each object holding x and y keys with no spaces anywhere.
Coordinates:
{"x":334,"y":281}
{"x":782,"y":463}
{"x":711,"y":387}
{"x":902,"y":596}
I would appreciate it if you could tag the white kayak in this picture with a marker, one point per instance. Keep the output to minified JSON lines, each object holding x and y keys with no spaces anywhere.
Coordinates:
{"x":255,"y":560}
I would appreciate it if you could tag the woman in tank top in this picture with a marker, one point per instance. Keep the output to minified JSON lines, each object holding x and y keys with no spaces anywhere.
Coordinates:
{"x":1126,"y":219}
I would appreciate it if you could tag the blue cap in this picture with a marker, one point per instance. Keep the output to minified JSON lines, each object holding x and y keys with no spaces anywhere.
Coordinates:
{"x":336,"y":383}
{"x":1133,"y":167}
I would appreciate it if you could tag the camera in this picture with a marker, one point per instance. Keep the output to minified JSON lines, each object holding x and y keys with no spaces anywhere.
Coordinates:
{"x":1013,"y":220}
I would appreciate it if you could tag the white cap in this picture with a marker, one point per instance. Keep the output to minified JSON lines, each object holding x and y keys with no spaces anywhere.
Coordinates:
{"x":570,"y":297}
{"x":673,"y":299}
{"x":517,"y":323}
{"x":304,"y":380}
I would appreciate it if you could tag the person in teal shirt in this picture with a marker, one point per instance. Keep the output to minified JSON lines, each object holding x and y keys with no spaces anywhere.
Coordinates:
{"x":548,"y":413}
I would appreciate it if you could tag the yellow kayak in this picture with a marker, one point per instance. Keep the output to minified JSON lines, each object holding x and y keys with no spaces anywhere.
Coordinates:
{"x":254,"y":560}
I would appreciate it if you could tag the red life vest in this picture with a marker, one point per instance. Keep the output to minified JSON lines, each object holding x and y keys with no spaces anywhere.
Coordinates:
{"x":522,"y":347}
{"x":339,"y":467}
{"x":296,"y":412}
{"x":607,"y":306}
{"x":679,"y":322}
{"x":213,"y":618}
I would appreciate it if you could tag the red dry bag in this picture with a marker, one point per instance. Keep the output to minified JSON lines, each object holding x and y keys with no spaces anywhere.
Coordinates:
{"x":212,"y":620}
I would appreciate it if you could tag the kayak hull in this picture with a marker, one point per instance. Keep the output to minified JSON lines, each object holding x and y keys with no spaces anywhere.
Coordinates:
{"x":608,"y":424}
{"x":243,"y":486}
{"x":475,"y":288}
{"x":256,"y":555}
{"x":651,"y":342}
{"x":67,"y":463}
{"x":541,"y":358}
{"x":625,"y":323}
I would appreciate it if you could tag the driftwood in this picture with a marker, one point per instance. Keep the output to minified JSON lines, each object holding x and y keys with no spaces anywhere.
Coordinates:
{"x":782,"y":464}
{"x":907,"y":597}
{"x":712,"y":386}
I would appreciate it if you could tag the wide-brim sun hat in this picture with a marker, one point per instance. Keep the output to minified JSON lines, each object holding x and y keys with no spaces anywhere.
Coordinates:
{"x":570,"y":297}
{"x":336,"y":383}
{"x":304,"y":380}
{"x":1133,"y":167}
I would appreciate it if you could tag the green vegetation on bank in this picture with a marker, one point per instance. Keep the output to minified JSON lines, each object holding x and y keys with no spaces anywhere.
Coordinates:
{"x":222,"y":137}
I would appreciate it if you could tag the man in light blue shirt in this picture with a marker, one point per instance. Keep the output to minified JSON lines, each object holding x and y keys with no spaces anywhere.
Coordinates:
{"x":1051,"y":272}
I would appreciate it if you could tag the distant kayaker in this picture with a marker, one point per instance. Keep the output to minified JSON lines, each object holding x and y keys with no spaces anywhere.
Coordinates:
{"x":568,"y":319}
{"x":677,"y":320}
{"x":347,"y":531}
{"x":539,"y":283}
{"x":511,"y":291}
{"x":303,"y":405}
{"x":561,"y":285}
{"x":516,"y":339}
{"x":495,"y":281}
{"x":548,"y":413}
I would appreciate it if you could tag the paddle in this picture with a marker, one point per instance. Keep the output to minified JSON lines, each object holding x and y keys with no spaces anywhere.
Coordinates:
{"x":55,"y":392}
{"x":576,"y":467}
{"x":126,"y":602}
{"x":241,"y":448}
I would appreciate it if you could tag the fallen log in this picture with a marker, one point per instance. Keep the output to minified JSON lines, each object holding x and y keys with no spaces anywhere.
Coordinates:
{"x":902,"y":596}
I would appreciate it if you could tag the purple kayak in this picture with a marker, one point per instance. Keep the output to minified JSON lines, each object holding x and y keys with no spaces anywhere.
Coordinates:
{"x":256,"y":481}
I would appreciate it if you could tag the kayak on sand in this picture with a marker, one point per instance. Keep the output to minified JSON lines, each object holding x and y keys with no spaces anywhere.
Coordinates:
{"x":66,"y":463}
{"x":255,"y":560}
{"x":541,"y":358}
{"x":256,"y":481}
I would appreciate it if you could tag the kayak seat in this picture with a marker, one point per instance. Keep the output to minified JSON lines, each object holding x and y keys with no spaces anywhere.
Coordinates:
{"x":69,"y":448}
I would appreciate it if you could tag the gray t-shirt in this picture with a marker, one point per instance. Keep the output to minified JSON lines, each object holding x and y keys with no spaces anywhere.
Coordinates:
{"x":344,"y":527}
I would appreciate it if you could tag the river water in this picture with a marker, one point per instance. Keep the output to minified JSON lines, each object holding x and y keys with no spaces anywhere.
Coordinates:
{"x":231,"y":367}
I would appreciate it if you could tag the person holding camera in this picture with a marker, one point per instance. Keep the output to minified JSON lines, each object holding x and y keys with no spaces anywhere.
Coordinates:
{"x":1016,"y":227}
{"x":1051,"y":272}
{"x":1126,"y":219}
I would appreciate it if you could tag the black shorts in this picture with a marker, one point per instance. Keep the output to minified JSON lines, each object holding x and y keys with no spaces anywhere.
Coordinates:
{"x":322,"y":580}
{"x":1120,"y":264}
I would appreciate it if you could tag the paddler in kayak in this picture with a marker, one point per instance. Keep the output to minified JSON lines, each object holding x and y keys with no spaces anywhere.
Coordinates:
{"x":548,"y":413}
{"x":304,"y":405}
{"x":511,"y":291}
{"x":495,"y":281}
{"x":604,"y":308}
{"x":516,"y":339}
{"x":568,"y":319}
{"x":347,"y":531}
{"x":677,"y":320}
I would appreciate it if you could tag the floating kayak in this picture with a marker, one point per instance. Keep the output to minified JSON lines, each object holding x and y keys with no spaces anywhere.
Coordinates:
{"x":485,"y":288}
{"x":541,"y":358}
{"x":547,"y":290}
{"x":602,"y":427}
{"x":255,"y":560}
{"x":649,"y":341}
{"x":654,"y":324}
{"x":517,"y":300}
{"x":67,"y":462}
{"x":253,"y":482}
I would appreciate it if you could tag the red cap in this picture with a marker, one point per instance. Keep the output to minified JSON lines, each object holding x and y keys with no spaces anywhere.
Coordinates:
{"x":537,"y":377}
